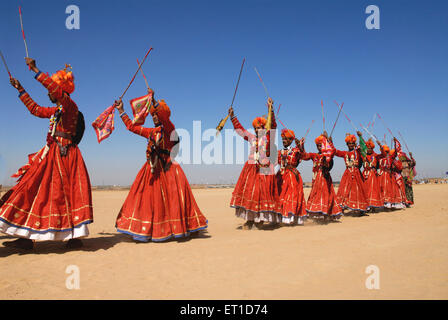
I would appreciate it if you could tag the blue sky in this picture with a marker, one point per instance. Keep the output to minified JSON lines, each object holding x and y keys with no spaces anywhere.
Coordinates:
{"x":306,"y":51}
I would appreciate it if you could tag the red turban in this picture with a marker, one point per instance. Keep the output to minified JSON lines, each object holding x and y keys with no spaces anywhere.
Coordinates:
{"x":288,"y":133}
{"x":161,"y":109}
{"x":370,"y":144}
{"x":320,"y":139}
{"x":65,"y":80}
{"x":403,"y":156}
{"x":259,"y":122}
{"x":350,"y":138}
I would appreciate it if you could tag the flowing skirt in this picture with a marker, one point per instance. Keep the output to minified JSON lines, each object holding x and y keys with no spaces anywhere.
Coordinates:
{"x":52,"y":200}
{"x":372,"y":189}
{"x":255,"y":196}
{"x":389,"y":190}
{"x":322,"y":199}
{"x":400,"y":190}
{"x":292,"y":200}
{"x":160,"y":206}
{"x":351,"y":194}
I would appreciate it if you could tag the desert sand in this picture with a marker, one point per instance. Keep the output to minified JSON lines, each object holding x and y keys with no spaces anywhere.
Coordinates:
{"x":315,"y":261}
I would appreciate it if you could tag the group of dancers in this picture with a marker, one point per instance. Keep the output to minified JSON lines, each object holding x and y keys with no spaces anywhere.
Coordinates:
{"x":52,"y":199}
{"x":271,"y":192}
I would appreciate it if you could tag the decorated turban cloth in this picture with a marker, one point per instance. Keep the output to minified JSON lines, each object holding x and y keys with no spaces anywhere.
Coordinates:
{"x":286,"y":133}
{"x":370,"y":144}
{"x":403,"y":156}
{"x":65,"y":80}
{"x":259,"y":122}
{"x":386,"y":148}
{"x":350,"y":138}
{"x":320,"y":139}
{"x":161,"y":109}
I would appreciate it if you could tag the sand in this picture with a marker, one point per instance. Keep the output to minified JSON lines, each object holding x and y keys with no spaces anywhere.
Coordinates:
{"x":410,"y":248}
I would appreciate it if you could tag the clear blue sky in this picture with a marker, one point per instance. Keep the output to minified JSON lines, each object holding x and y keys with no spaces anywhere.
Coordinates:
{"x":305,"y":50}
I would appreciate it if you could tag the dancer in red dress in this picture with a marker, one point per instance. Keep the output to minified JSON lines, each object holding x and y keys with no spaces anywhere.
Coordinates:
{"x":351,"y":194}
{"x":371,"y":181}
{"x":52,"y":199}
{"x":160,"y":204}
{"x":322,"y":201}
{"x":388,"y":186}
{"x":255,"y":197}
{"x":290,"y":184}
{"x":397,"y":168}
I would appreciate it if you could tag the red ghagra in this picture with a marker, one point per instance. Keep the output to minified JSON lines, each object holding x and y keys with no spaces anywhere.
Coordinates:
{"x":351,"y":194}
{"x":52,"y":199}
{"x":160,"y":204}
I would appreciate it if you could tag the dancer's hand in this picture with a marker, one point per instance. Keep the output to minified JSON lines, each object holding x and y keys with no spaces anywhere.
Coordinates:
{"x":119,"y":105}
{"x":16,"y":84}
{"x":31,"y":63}
{"x":270,"y":103}
{"x":231,"y":112}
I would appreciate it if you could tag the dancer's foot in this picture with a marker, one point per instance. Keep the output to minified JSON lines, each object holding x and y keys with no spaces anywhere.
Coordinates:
{"x":195,"y":234}
{"x":248,"y":225}
{"x":74,"y":244}
{"x":259,"y":225}
{"x":20,"y":243}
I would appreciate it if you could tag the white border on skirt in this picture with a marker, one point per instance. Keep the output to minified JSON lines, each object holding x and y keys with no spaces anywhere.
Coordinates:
{"x":77,"y":232}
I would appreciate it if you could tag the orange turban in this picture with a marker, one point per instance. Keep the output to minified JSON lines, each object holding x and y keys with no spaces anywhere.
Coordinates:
{"x":320,"y":139}
{"x":386,"y":148}
{"x":392,"y":151}
{"x":370,"y":144}
{"x":162,"y":110}
{"x":259,"y":121}
{"x":65,"y":80}
{"x":288,"y":133}
{"x":350,"y":138}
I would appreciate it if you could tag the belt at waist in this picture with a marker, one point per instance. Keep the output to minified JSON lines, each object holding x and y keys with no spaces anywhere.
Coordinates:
{"x":64,"y":135}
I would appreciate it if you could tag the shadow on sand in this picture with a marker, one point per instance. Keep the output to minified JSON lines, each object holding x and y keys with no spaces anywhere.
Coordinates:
{"x":92,"y":244}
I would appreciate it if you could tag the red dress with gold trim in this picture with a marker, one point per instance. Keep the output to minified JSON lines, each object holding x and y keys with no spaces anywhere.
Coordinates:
{"x":52,"y":199}
{"x":322,"y":199}
{"x":290,"y":185}
{"x":351,"y":188}
{"x":371,"y":182}
{"x":397,"y":167}
{"x":388,"y":186}
{"x":160,"y":204}
{"x":255,"y":196}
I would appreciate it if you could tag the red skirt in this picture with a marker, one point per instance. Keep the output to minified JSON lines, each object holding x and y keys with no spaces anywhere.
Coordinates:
{"x":160,"y":206}
{"x":255,"y":196}
{"x":389,"y":190}
{"x":322,"y":199}
{"x":291,"y":200}
{"x":400,"y":192}
{"x":351,"y":191}
{"x":52,"y":200}
{"x":372,"y":189}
